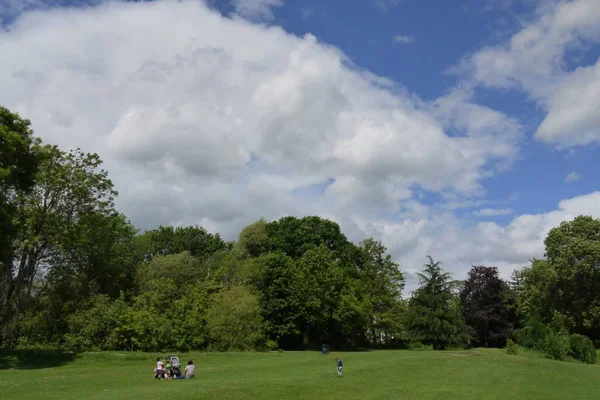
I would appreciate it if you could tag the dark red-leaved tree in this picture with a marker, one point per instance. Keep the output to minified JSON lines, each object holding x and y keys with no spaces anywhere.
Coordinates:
{"x":487,"y":306}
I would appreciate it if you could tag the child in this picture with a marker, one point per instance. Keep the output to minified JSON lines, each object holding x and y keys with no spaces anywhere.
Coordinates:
{"x":159,"y":371}
{"x":169,"y":370}
{"x":339,"y":366}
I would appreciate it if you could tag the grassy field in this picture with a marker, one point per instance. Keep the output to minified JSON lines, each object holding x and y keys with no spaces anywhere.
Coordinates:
{"x":481,"y":374}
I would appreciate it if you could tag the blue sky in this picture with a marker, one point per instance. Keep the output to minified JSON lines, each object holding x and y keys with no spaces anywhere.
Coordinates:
{"x":483,"y":137}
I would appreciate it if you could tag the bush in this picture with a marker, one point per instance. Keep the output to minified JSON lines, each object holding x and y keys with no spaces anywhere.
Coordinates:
{"x":582,"y":349}
{"x":512,"y":348}
{"x":534,"y":334}
{"x":557,"y":346}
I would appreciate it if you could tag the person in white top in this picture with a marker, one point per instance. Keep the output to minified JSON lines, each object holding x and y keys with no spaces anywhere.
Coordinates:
{"x":159,"y":371}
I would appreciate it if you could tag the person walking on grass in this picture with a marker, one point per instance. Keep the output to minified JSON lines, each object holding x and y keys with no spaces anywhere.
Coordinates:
{"x":339,"y":366}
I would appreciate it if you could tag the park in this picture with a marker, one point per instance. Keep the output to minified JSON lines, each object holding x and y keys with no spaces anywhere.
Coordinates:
{"x":92,"y":302}
{"x":269,"y":199}
{"x":394,"y":374}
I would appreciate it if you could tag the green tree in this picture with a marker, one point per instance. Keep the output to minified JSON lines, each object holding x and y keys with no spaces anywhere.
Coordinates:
{"x":537,"y":289}
{"x":282,"y":299}
{"x":381,"y":283}
{"x":234,"y":321}
{"x":433,"y":313}
{"x":294,"y":236}
{"x":69,"y":187}
{"x":319,"y":283}
{"x":573,"y":252}
{"x":253,"y":240}
{"x":167,"y":240}
{"x":183,"y":269}
{"x":19,"y":159}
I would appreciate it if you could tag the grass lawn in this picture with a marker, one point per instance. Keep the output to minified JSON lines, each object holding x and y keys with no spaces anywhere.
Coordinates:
{"x":481,"y":374}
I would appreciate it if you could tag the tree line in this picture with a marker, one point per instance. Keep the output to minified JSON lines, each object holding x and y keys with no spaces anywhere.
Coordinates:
{"x":75,"y":273}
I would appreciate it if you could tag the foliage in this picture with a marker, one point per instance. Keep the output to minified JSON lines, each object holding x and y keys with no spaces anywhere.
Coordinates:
{"x":484,"y":297}
{"x":382,"y":283}
{"x":234,"y":321}
{"x":512,"y":348}
{"x":253,"y":240}
{"x":433,"y":315}
{"x":567,"y":281}
{"x":557,"y":345}
{"x":533,"y":334}
{"x":19,"y":161}
{"x":75,"y":273}
{"x":183,"y":269}
{"x":582,"y":349}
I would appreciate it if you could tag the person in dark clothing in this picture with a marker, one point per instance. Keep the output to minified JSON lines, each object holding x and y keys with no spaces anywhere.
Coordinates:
{"x":339,"y":366}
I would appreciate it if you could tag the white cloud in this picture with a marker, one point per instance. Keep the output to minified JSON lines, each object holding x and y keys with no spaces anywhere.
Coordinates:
{"x":492,"y":212}
{"x":404,"y":39}
{"x":216,"y":121}
{"x":572,"y":177}
{"x":573,"y":117}
{"x":386,"y":5}
{"x":534,"y":60}
{"x":459,"y":244}
{"x":256,"y":9}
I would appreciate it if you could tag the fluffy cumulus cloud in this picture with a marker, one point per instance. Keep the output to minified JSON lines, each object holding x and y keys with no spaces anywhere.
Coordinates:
{"x":536,"y":60}
{"x":459,"y":244}
{"x":214,"y":121}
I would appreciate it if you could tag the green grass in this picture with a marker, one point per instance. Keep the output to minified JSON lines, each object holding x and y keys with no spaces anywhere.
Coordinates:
{"x":481,"y":374}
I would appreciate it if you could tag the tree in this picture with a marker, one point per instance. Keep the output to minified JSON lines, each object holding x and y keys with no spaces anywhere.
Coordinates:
{"x":432,"y":315}
{"x":319,"y":285}
{"x":282,"y":303}
{"x":234,"y":321}
{"x":69,"y":188}
{"x":563,"y":289}
{"x":253,"y":240}
{"x":516,"y":281}
{"x":294,"y":236}
{"x":573,"y":251}
{"x":484,"y":297}
{"x":382,"y":284}
{"x":19,"y":159}
{"x":183,"y":269}
{"x":537,"y":289}
{"x":167,"y":240}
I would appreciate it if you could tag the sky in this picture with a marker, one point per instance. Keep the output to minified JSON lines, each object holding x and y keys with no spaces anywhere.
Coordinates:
{"x":462,"y":129}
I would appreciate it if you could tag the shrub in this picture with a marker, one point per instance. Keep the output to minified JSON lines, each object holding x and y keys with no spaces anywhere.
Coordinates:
{"x":557,"y":346}
{"x":582,"y":349}
{"x":512,"y":348}
{"x":534,"y":334}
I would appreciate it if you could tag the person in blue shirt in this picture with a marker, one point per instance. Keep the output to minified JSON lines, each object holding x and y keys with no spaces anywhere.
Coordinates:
{"x":339,"y":366}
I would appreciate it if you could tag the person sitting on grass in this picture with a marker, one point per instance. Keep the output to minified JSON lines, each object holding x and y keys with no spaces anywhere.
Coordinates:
{"x":189,"y":372}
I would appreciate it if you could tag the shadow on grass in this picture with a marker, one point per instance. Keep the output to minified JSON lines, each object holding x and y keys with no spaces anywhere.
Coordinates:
{"x":34,"y":359}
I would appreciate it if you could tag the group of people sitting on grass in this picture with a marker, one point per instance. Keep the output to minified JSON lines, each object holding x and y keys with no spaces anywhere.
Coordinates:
{"x":162,"y":371}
